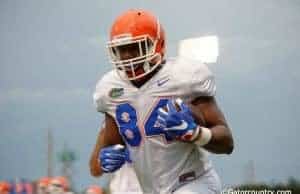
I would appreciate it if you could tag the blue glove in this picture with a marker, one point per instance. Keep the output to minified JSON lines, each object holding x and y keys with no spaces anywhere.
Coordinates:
{"x":113,"y":157}
{"x":178,"y":124}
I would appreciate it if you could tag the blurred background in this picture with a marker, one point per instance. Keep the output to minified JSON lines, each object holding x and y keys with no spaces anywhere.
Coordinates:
{"x":53,"y":52}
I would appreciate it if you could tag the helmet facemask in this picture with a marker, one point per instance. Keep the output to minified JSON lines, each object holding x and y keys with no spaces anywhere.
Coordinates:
{"x":56,"y":188}
{"x":142,"y":63}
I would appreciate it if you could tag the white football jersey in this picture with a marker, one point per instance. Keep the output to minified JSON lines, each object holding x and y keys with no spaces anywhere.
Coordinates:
{"x":161,"y":163}
{"x":124,"y":181}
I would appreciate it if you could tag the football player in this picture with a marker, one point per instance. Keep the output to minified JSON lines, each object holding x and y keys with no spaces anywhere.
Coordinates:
{"x":42,"y":185}
{"x":94,"y":189}
{"x":5,"y":187}
{"x":59,"y":185}
{"x":163,"y":111}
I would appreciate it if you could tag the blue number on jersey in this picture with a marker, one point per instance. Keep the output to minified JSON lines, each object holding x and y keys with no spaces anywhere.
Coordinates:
{"x":127,"y":120}
{"x":152,"y":127}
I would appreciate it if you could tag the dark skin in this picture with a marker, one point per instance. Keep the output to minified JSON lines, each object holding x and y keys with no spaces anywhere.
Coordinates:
{"x":205,"y":111}
{"x":108,"y":135}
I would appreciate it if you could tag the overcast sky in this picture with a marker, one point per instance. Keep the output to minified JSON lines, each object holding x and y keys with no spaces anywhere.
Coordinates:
{"x":53,"y":52}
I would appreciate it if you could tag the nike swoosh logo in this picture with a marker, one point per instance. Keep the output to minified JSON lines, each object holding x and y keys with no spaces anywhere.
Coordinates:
{"x":182,"y":126}
{"x":162,"y":82}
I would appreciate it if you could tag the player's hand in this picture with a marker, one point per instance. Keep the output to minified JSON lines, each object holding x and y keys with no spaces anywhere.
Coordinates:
{"x":179,"y":124}
{"x":113,"y":157}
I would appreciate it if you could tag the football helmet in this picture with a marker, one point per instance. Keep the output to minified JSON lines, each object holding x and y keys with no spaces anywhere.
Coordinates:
{"x":59,"y":185}
{"x":42,"y":185}
{"x":5,"y":187}
{"x":139,"y":30}
{"x":94,"y":189}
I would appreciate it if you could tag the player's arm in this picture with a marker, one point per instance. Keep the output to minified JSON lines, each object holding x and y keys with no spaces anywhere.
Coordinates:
{"x":206,"y":111}
{"x":201,"y":123}
{"x":108,"y":135}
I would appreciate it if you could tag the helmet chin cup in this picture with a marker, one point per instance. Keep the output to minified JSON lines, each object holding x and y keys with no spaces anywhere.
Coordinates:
{"x":146,"y":66}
